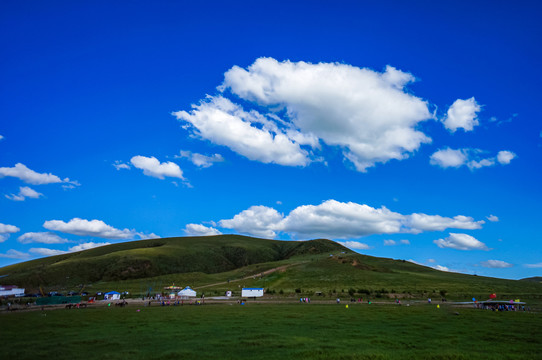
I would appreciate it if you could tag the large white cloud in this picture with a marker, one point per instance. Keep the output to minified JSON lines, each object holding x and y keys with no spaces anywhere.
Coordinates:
{"x":200,"y":230}
{"x":86,"y":246}
{"x":472,"y":158}
{"x":6,"y":230}
{"x":461,"y":242}
{"x":152,"y":167}
{"x":368,"y":114}
{"x":462,"y":115}
{"x":29,"y":176}
{"x":41,"y":237}
{"x":339,"y":220}
{"x":94,"y":228}
{"x":24,"y":192}
{"x":47,"y":252}
{"x":496,"y":264}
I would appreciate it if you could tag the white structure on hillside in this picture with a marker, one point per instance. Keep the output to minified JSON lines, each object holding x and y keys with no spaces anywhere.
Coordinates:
{"x":112,"y":295}
{"x":252,"y":292}
{"x":187,"y":292}
{"x":11,"y":290}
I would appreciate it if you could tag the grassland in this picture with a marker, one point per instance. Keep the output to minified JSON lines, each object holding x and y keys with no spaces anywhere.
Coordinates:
{"x":277,"y":331}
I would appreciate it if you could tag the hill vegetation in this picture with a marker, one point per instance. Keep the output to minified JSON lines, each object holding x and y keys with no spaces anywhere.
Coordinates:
{"x":215,"y":264}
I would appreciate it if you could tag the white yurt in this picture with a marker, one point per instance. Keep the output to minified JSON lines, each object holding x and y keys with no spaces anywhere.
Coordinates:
{"x":187,"y":292}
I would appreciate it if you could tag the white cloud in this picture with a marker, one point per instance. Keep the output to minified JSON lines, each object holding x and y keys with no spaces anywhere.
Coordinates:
{"x":29,"y":176}
{"x":493,"y":218}
{"x":152,"y":167}
{"x":225,"y":123}
{"x":504,"y":157}
{"x":120,"y":165}
{"x":495,"y":264}
{"x":449,"y":158}
{"x":338,"y":220}
{"x":86,"y":246}
{"x":95,"y":228}
{"x":201,"y":160}
{"x":41,"y":237}
{"x":460,"y":242}
{"x":404,"y":242}
{"x":1,"y":138}
{"x":367,"y":114}
{"x":14,"y":254}
{"x":354,"y":245}
{"x":257,"y":220}
{"x":422,"y":222}
{"x":440,"y":268}
{"x":462,"y":115}
{"x":24,"y":192}
{"x":471,"y":158}
{"x":200,"y":230}
{"x":46,"y":251}
{"x":534,"y":266}
{"x":6,"y":230}
{"x":432,"y":261}
{"x":389,"y":243}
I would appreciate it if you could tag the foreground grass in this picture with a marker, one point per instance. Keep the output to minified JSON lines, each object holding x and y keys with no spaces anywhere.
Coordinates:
{"x":261,"y":331}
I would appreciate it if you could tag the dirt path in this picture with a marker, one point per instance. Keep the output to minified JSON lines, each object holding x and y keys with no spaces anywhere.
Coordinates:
{"x":266,"y":272}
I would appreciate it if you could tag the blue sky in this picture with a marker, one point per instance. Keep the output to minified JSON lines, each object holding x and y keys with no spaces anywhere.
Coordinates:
{"x":408,"y":131}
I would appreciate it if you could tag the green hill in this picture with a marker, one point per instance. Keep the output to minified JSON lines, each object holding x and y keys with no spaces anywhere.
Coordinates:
{"x":228,"y":262}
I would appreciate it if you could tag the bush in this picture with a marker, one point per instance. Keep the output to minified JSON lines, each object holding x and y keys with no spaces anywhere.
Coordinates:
{"x":351,"y":292}
{"x":298,"y":291}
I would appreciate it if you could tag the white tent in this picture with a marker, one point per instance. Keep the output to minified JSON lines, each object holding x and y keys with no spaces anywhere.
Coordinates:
{"x":187,"y":292}
{"x":112,"y":295}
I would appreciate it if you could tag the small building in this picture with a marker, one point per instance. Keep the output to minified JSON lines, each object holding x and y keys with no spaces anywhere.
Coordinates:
{"x":252,"y":292}
{"x":11,"y":290}
{"x":112,"y":295}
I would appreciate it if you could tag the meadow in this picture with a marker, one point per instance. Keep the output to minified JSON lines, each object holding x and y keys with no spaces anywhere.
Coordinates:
{"x":271,"y":331}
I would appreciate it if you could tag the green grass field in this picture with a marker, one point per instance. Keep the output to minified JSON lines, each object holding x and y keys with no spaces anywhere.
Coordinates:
{"x":271,"y":331}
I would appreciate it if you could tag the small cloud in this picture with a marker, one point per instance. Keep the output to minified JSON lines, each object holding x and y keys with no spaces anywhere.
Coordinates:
{"x":6,"y":230}
{"x":120,"y":165}
{"x":461,"y":242}
{"x":94,"y":228}
{"x":20,"y":171}
{"x":41,"y":237}
{"x":533,"y":266}
{"x":389,"y":243}
{"x":404,"y":242}
{"x":46,"y":251}
{"x":493,"y":218}
{"x":504,"y":157}
{"x":86,"y":246}
{"x":200,"y":230}
{"x":495,"y":264}
{"x":440,"y":268}
{"x":152,"y":167}
{"x":200,"y":160}
{"x":463,"y":114}
{"x":355,"y":245}
{"x":14,"y":254}
{"x":432,"y":261}
{"x":24,"y":192}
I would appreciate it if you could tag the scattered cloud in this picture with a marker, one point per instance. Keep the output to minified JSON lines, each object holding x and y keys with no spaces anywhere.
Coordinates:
{"x":200,"y":160}
{"x":29,"y":176}
{"x":495,"y":264}
{"x":152,"y":167}
{"x":504,"y":157}
{"x":338,"y":220}
{"x":471,"y":158}
{"x":368,"y":115}
{"x":493,"y":218}
{"x":461,"y":242}
{"x":120,"y":165}
{"x":389,"y":243}
{"x":24,"y":192}
{"x":440,"y":268}
{"x":6,"y":230}
{"x":463,"y":114}
{"x":355,"y":245}
{"x":432,"y":261}
{"x":94,"y":228}
{"x":46,"y":251}
{"x":41,"y":237}
{"x":404,"y":242}
{"x":200,"y":230}
{"x":14,"y":254}
{"x":86,"y":246}
{"x":1,"y":138}
{"x":534,"y":266}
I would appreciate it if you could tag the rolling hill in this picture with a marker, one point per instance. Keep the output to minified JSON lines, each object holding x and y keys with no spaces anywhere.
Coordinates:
{"x":228,"y":262}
